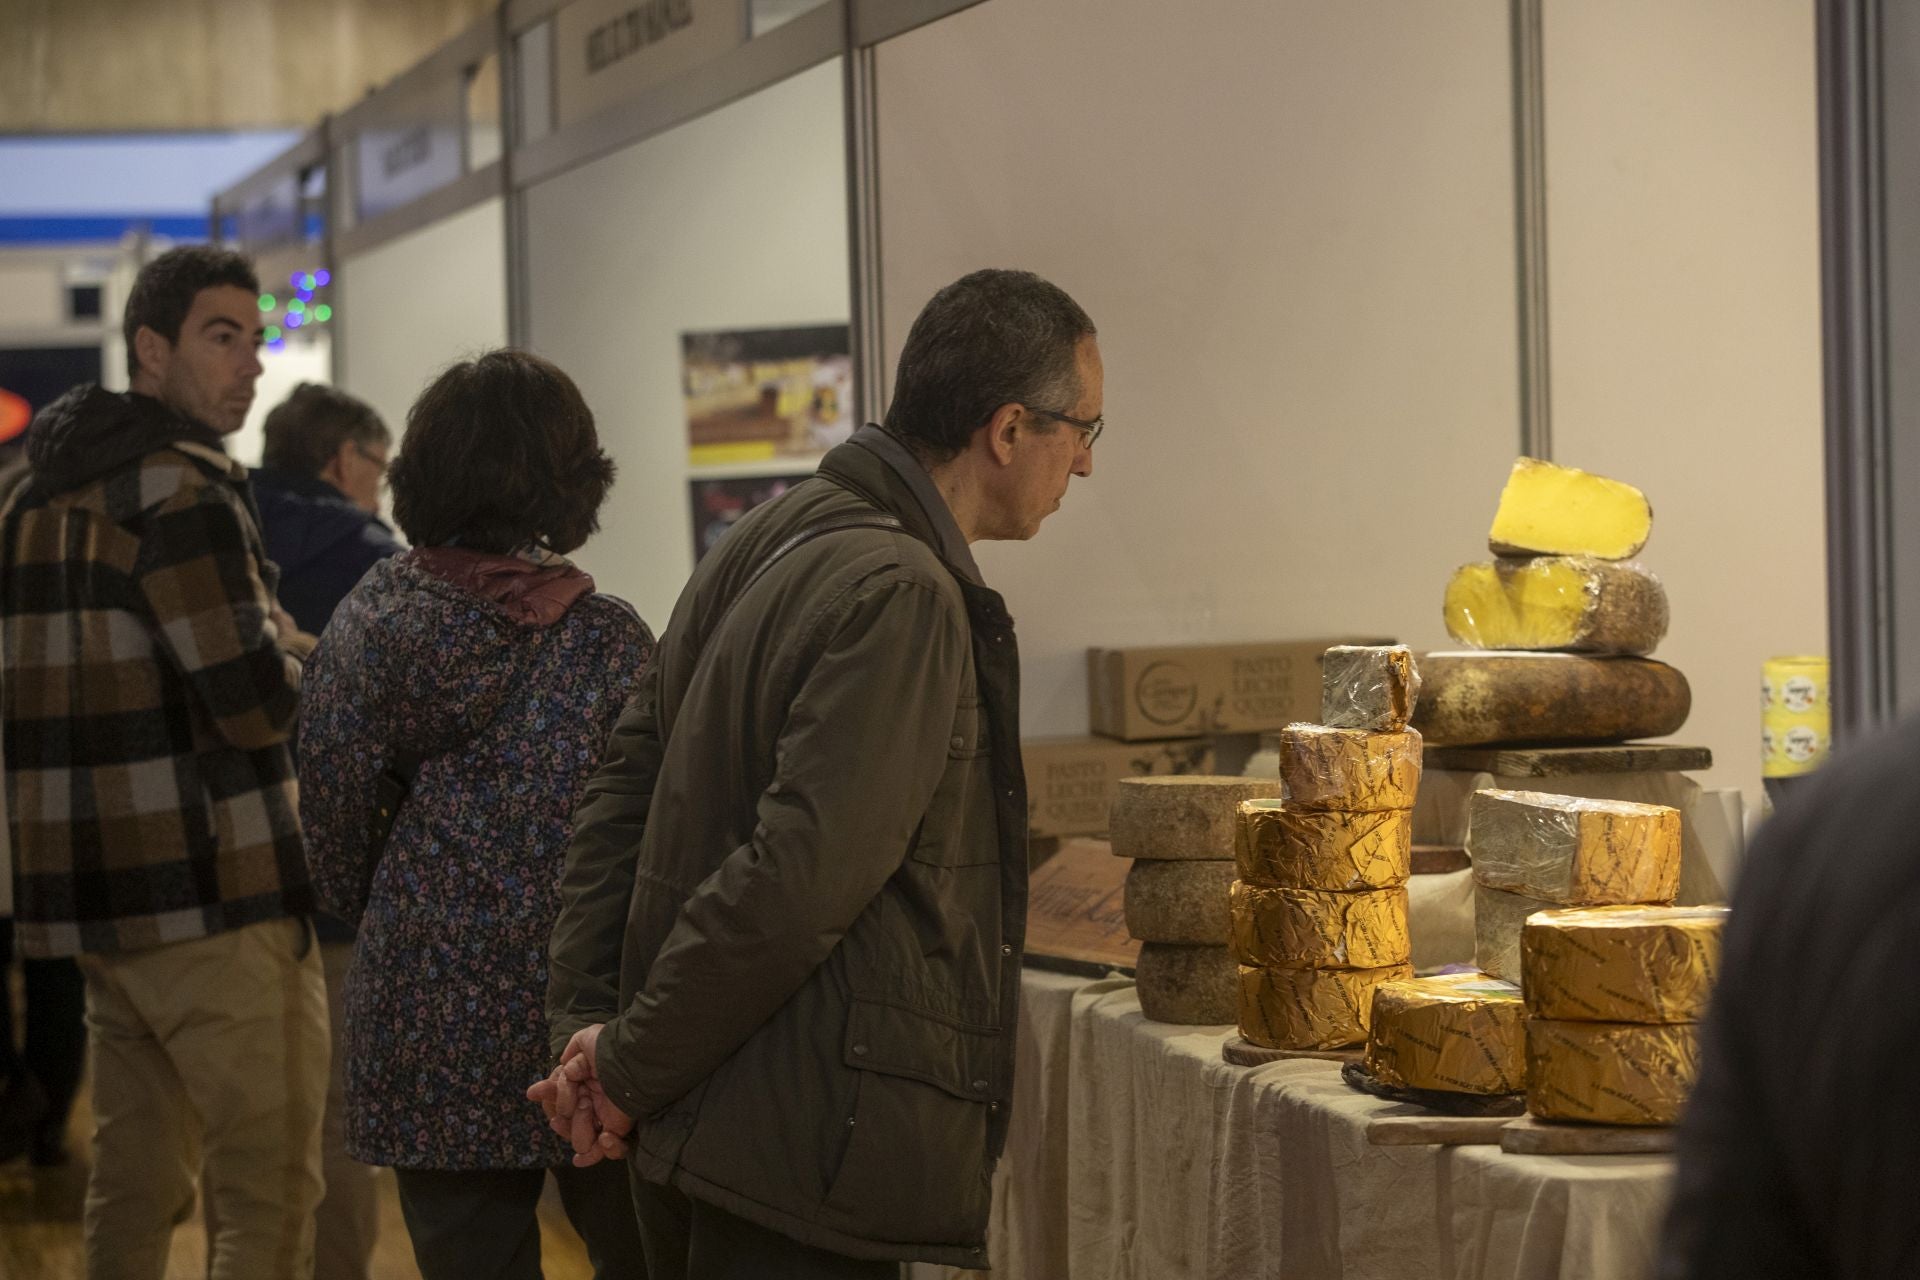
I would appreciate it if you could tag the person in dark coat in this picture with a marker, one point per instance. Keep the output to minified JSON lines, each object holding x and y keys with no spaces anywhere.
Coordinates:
{"x":485,"y":665}
{"x":319,"y":500}
{"x":318,"y":489}
{"x":788,"y":966}
{"x":1799,"y":1152}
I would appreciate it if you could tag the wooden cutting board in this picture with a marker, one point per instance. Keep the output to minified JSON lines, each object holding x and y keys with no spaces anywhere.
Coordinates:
{"x":1429,"y":1130}
{"x":1559,"y":762}
{"x":1243,"y":1053}
{"x":1531,"y":1136}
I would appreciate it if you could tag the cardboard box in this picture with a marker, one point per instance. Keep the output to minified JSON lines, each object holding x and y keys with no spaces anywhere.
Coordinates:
{"x":1158,"y":692}
{"x":1070,"y":780}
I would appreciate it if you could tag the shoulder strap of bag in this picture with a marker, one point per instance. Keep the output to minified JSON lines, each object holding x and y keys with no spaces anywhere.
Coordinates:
{"x":806,"y":535}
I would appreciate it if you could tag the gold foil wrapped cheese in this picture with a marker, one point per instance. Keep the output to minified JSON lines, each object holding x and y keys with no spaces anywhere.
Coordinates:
{"x":1610,"y":1072}
{"x":1572,"y":850}
{"x":1368,"y":687}
{"x":1498,"y":917}
{"x":1310,"y":928}
{"x":1351,"y":769}
{"x":1323,"y":848}
{"x":1622,"y":964}
{"x":1309,"y":1008}
{"x":1459,"y":1032}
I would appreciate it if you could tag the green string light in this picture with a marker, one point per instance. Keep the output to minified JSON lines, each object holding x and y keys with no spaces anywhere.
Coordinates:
{"x":297,"y":306}
{"x":268,"y":302}
{"x":323,"y":313}
{"x":271,"y":333}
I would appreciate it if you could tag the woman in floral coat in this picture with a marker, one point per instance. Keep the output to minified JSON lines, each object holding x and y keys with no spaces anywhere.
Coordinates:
{"x":489,"y":664}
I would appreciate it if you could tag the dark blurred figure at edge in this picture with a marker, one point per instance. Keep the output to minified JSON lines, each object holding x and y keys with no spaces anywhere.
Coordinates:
{"x":40,"y":1073}
{"x":1800,"y":1150}
{"x":318,"y":489}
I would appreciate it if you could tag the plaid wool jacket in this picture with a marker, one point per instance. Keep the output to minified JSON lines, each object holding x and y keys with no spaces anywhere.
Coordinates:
{"x":147,"y":698}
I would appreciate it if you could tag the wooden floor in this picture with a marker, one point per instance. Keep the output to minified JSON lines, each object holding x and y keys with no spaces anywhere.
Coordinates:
{"x":40,"y":1226}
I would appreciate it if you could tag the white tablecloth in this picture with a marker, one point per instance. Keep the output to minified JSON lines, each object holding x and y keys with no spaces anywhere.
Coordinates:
{"x":1137,"y":1153}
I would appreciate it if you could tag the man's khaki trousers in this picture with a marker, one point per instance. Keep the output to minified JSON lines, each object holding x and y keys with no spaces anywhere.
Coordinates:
{"x":210,"y":1060}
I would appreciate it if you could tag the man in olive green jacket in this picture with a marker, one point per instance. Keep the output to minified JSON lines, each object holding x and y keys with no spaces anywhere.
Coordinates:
{"x":789,"y":948}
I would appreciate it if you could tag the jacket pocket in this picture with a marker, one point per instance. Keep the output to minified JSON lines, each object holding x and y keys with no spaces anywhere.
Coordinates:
{"x":960,"y":827}
{"x":916,"y":1168}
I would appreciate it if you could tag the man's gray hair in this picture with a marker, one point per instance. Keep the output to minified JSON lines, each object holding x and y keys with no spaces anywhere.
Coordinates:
{"x":988,"y":339}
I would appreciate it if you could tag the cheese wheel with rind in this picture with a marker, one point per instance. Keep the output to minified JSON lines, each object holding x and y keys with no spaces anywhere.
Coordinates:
{"x":1473,"y":699}
{"x":1181,"y":816}
{"x":1188,"y":986}
{"x":1572,"y":850}
{"x":1610,"y":1072}
{"x":1456,"y":1032}
{"x":1349,"y":769}
{"x":1179,"y":901}
{"x":1622,"y":964}
{"x":1314,"y":929}
{"x":1334,"y":849}
{"x":1309,"y":1008}
{"x":1571,"y":603}
{"x":1498,"y":918}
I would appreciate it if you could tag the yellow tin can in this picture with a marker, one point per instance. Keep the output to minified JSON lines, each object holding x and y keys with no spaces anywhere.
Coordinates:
{"x":1796,"y":716}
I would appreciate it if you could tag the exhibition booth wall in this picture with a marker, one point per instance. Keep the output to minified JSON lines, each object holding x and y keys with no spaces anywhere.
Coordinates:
{"x":1305,"y":279}
{"x":412,"y":305}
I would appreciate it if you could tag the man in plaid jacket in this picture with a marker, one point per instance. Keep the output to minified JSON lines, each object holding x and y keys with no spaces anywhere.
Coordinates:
{"x":150,"y":683}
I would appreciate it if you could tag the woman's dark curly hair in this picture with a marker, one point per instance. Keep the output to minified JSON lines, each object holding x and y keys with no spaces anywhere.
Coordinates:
{"x":500,"y":453}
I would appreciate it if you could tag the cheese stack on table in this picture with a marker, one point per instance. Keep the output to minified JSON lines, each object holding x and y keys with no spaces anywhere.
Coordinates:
{"x":1535,"y":852}
{"x":1319,"y":912}
{"x":1614,"y":999}
{"x":1179,"y":832}
{"x":1452,"y":1033}
{"x":1559,"y":624}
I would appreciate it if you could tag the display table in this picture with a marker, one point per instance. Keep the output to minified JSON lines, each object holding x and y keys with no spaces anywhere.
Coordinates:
{"x":1137,"y":1153}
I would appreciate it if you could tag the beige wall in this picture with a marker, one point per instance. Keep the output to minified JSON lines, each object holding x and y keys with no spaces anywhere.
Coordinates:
{"x":1684,"y":266}
{"x":80,"y":65}
{"x":1293,"y":223}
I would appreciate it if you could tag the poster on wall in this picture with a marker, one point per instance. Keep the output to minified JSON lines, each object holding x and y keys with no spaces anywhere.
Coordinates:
{"x":719,"y":502}
{"x":771,"y":396}
{"x":31,"y":378}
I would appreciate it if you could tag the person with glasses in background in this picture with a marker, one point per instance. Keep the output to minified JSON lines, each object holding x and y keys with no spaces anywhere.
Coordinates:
{"x":324,"y":465}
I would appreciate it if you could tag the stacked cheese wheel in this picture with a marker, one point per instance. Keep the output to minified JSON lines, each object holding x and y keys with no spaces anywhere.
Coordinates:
{"x":1179,"y":831}
{"x":1319,"y":913}
{"x":1614,"y":997}
{"x":1534,"y":852}
{"x":1455,"y":1033}
{"x":1568,"y":616}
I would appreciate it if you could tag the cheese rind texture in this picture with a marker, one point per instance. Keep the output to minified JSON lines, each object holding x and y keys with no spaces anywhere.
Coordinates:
{"x":1368,"y":687}
{"x":1610,"y":1072}
{"x":1182,"y":901}
{"x":1181,"y":816}
{"x":1498,"y":917}
{"x":1570,"y":603}
{"x":1574,"y":851}
{"x":1472,"y":699}
{"x":1349,"y":769}
{"x":1314,"y":929}
{"x":1333,"y":849}
{"x":1459,"y":1032}
{"x":1309,"y":1008}
{"x":1190,"y":986}
{"x":1553,"y":510}
{"x":1622,"y":964}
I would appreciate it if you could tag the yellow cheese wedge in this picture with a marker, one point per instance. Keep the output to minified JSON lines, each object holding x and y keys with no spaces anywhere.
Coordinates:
{"x":1610,"y":1072}
{"x":1323,"y":848}
{"x":1574,"y":851}
{"x":1309,"y":1008}
{"x":1312,"y":929}
{"x":1563,"y":511}
{"x":1350,"y":769}
{"x":1570,"y":603}
{"x":1459,"y":1032}
{"x":1622,"y":964}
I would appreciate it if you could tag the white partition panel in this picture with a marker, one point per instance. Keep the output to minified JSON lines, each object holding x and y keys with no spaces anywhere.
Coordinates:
{"x":1683,"y":216}
{"x":735,"y":220}
{"x":1293,"y":223}
{"x":413,"y":305}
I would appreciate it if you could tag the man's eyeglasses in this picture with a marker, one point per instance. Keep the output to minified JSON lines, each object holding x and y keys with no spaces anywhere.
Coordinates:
{"x":371,"y":456}
{"x":1089,"y":431}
